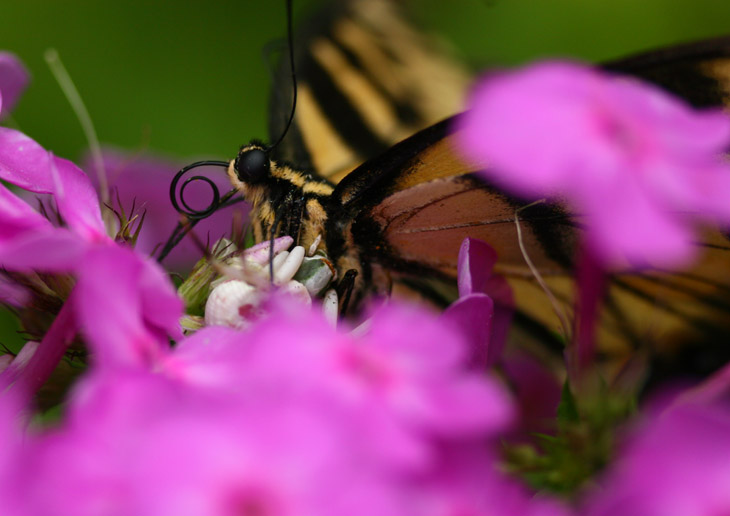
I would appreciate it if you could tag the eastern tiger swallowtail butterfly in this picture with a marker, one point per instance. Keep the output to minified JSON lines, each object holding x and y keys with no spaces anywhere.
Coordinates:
{"x":368,"y":166}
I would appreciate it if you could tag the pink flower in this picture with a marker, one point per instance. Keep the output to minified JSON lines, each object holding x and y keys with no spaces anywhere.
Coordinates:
{"x":290,"y":418}
{"x":29,"y":242}
{"x":676,"y":464}
{"x":638,"y":166}
{"x":13,"y":80}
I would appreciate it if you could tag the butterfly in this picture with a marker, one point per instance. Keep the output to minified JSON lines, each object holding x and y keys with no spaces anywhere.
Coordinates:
{"x":367,"y":174}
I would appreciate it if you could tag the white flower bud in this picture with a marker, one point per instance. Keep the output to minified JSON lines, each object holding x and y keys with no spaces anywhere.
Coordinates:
{"x":233,"y":303}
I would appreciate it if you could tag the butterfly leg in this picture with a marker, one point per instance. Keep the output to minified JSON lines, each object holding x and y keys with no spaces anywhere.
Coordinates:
{"x":344,"y":289}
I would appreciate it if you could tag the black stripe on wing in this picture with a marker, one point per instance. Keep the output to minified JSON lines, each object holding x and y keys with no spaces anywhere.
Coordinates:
{"x":687,"y":70}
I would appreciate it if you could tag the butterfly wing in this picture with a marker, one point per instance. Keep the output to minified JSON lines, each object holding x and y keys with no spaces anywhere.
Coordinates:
{"x":366,"y":80}
{"x":699,"y":72}
{"x":413,"y":205}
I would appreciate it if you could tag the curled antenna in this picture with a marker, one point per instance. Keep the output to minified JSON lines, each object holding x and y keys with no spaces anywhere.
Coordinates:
{"x":182,"y":206}
{"x":290,"y":44}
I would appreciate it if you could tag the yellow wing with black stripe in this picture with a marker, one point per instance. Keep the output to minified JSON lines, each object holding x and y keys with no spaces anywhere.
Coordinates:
{"x":367,"y":79}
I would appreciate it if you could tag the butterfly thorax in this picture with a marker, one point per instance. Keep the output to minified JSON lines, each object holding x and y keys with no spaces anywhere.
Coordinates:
{"x":284,"y":201}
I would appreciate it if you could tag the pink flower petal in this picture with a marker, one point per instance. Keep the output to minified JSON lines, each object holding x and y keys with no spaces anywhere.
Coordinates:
{"x":675,"y":464}
{"x":57,"y":249}
{"x":77,"y":200}
{"x":472,"y":315}
{"x":17,"y":217}
{"x":14,"y":78}
{"x":648,"y":236}
{"x":26,"y":164}
{"x":476,"y":260}
{"x":117,"y":293}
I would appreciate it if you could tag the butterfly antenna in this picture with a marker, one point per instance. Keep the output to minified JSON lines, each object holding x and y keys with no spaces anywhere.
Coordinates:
{"x":290,"y":44}
{"x":183,"y":207}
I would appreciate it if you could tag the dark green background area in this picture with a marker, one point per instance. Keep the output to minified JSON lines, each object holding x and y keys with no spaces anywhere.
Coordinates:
{"x":188,"y":78}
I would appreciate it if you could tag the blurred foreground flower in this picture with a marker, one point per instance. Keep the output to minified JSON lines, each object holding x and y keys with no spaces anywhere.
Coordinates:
{"x":291,"y":417}
{"x":676,"y":464}
{"x":638,"y":166}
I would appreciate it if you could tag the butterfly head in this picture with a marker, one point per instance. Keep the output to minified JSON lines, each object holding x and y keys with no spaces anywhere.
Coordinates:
{"x":251,"y":167}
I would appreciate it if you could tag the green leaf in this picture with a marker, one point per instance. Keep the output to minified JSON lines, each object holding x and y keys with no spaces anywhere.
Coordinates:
{"x":568,"y":408}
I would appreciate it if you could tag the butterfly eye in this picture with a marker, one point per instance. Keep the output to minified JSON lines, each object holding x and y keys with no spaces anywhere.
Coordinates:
{"x":252,"y":165}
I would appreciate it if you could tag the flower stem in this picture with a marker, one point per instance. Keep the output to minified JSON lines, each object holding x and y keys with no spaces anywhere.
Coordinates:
{"x":591,"y":285}
{"x":77,"y":104}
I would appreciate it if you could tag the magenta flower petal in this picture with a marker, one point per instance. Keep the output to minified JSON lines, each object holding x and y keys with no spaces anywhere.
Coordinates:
{"x":14,"y":78}
{"x":472,"y":315}
{"x":118,"y":294}
{"x":17,"y":217}
{"x":55,"y":250}
{"x":649,"y":235}
{"x":77,"y":200}
{"x":617,"y":149}
{"x":28,"y":241}
{"x":26,"y":164}
{"x":676,"y":464}
{"x":476,"y":260}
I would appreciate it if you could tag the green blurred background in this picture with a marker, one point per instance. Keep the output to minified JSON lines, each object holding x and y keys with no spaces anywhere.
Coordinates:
{"x":188,"y":78}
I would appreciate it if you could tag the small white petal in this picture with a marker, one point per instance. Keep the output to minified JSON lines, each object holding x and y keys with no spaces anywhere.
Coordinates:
{"x":286,"y":269}
{"x":278,"y":261}
{"x":330,"y":307}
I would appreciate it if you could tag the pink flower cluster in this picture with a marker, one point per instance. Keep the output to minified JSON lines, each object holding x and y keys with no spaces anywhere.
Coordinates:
{"x":292,"y":417}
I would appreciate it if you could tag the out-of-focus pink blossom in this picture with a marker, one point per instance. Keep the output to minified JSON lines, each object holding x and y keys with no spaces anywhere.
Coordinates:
{"x":13,"y":80}
{"x":639,"y":167}
{"x":466,"y":481}
{"x":144,"y":181}
{"x":676,"y":464}
{"x":290,"y":417}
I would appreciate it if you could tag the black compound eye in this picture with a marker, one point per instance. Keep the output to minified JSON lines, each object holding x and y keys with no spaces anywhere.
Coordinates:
{"x":252,"y":165}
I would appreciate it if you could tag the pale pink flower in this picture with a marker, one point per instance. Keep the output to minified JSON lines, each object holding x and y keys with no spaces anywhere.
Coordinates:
{"x":639,"y":167}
